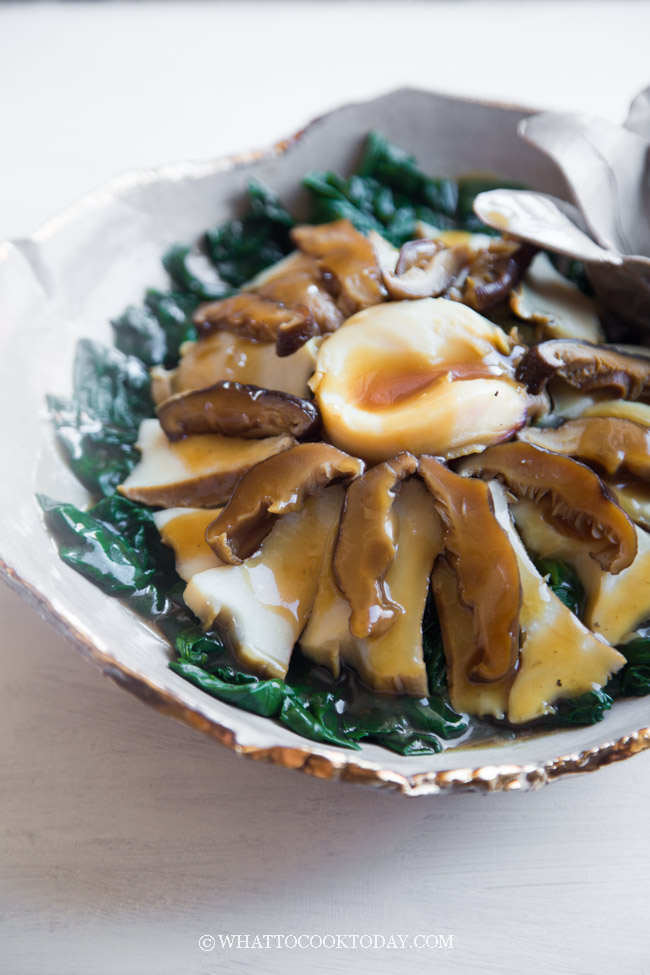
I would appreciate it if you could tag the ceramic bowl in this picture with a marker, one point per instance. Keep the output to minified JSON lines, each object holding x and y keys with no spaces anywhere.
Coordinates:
{"x":80,"y":270}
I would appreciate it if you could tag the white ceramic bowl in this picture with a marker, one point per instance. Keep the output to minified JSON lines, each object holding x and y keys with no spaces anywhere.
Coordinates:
{"x":82,"y":268}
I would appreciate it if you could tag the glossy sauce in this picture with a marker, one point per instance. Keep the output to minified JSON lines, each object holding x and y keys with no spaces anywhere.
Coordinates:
{"x":380,"y":382}
{"x":186,"y":532}
{"x":212,"y":451}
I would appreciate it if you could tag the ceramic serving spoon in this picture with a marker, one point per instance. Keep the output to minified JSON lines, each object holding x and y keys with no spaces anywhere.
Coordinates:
{"x":607,"y":170}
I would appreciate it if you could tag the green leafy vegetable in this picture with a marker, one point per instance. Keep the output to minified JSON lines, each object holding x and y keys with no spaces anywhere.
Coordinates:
{"x":155,"y":332}
{"x":98,"y":426}
{"x":634,"y":676}
{"x":192,"y":274}
{"x":389,"y":194}
{"x":397,"y":169}
{"x":263,"y":697}
{"x":116,"y":546}
{"x":564,"y":582}
{"x":433,"y":649}
{"x":298,"y":714}
{"x":137,"y":332}
{"x":586,"y":709}
{"x":240,"y":249}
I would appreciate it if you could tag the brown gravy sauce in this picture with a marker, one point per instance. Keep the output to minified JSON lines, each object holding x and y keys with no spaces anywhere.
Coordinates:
{"x":401,"y":380}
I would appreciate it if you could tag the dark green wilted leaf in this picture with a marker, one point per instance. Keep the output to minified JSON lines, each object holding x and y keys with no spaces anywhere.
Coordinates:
{"x":297,"y":715}
{"x":192,"y":274}
{"x":433,"y":649}
{"x":564,"y":581}
{"x":263,"y":697}
{"x":98,"y":553}
{"x":174,"y":314}
{"x":634,"y":676}
{"x":240,"y":249}
{"x":114,"y":545}
{"x":98,"y":425}
{"x":137,"y":332}
{"x":397,"y":169}
{"x":154,"y":332}
{"x":587,"y":709}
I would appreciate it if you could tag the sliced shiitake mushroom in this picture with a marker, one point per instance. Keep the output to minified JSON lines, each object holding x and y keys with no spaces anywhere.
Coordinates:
{"x":270,"y":490}
{"x":347,"y":263}
{"x":615,"y":604}
{"x":586,"y":367}
{"x":237,"y":410}
{"x":367,"y":544}
{"x":457,"y":628}
{"x":494,"y":272}
{"x":613,"y":445}
{"x":572,"y":497}
{"x":393,"y":662}
{"x":259,"y":319}
{"x":299,"y":282}
{"x":485,"y":565}
{"x":422,"y":268}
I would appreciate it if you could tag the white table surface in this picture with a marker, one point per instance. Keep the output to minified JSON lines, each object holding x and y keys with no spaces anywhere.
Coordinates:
{"x":125,"y":837}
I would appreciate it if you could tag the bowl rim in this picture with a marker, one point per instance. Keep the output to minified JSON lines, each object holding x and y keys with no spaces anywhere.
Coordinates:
{"x":322,"y":763}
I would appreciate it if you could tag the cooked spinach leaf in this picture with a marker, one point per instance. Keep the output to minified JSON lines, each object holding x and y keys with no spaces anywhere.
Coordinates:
{"x":433,"y":649}
{"x":389,"y":193}
{"x":397,"y":169}
{"x":586,"y":709}
{"x":564,"y":582}
{"x":263,"y":697}
{"x":192,"y":274}
{"x":634,"y":677}
{"x":98,"y":426}
{"x":240,"y":249}
{"x":116,"y":546}
{"x":154,"y":332}
{"x":338,"y":711}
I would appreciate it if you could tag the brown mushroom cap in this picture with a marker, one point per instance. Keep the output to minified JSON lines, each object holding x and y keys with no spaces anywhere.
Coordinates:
{"x":586,"y":367}
{"x":611,"y":444}
{"x":367,"y":543}
{"x":424,"y":268}
{"x":494,"y":272}
{"x":237,"y":410}
{"x":273,"y":489}
{"x":347,"y":262}
{"x":259,"y":319}
{"x":572,"y":498}
{"x":485,"y":565}
{"x":299,"y":281}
